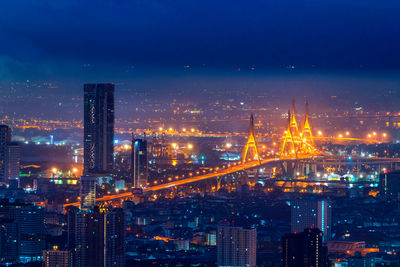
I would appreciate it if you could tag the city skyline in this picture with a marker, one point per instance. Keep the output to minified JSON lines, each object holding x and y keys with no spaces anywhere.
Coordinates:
{"x":199,"y":133}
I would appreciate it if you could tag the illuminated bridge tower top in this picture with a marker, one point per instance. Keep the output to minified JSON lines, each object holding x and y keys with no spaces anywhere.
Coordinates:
{"x":251,"y":145}
{"x":292,"y":122}
{"x":306,"y":132}
{"x":289,"y":147}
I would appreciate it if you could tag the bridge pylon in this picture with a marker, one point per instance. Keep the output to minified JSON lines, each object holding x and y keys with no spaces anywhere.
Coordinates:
{"x":306,"y":133}
{"x":251,"y":144}
{"x":291,"y":139}
{"x":293,"y":122}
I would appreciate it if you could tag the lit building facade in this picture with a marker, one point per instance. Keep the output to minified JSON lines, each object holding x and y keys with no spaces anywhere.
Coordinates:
{"x":88,"y":192}
{"x":304,"y":249}
{"x":311,"y":213}
{"x":57,"y":258}
{"x":236,"y":246}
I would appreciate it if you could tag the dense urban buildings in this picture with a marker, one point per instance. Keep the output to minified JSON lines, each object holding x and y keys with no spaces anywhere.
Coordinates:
{"x":98,"y":128}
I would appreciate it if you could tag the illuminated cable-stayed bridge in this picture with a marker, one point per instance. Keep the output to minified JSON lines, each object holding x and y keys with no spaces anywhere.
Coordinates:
{"x":298,"y":152}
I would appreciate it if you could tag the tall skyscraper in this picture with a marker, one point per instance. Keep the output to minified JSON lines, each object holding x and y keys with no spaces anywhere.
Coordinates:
{"x":88,"y":192}
{"x":98,"y":128}
{"x":139,"y":162}
{"x":100,"y":238}
{"x":311,"y":212}
{"x":9,"y":155}
{"x":236,"y":246}
{"x":304,"y":249}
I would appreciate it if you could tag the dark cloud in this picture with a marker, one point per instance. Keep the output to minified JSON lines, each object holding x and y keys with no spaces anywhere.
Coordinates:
{"x":50,"y":37}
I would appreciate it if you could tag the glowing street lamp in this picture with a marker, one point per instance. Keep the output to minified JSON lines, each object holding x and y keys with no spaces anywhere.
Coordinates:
{"x":228,"y":145}
{"x":319,"y":133}
{"x":190,"y":146}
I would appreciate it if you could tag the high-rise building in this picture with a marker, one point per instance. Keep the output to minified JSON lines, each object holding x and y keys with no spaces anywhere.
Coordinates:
{"x":115,"y":238}
{"x":98,"y":128}
{"x":5,"y":139}
{"x":14,"y":155}
{"x":29,"y":222}
{"x":311,"y":212}
{"x":88,"y":192}
{"x":9,"y":156}
{"x":236,"y":246}
{"x":89,"y":238}
{"x":100,"y":238}
{"x":72,"y":212}
{"x":304,"y":249}
{"x":57,"y":258}
{"x":9,"y":241}
{"x":139,"y":163}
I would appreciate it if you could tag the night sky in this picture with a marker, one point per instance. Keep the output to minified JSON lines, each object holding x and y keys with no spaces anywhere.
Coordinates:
{"x":148,"y":42}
